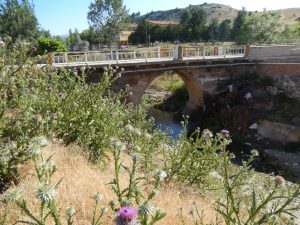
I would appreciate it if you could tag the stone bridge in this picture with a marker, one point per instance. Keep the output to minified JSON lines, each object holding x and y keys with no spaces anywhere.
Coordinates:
{"x":204,"y":70}
{"x":199,"y":78}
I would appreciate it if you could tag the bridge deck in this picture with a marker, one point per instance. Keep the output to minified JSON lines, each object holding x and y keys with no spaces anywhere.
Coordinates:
{"x":148,"y":56}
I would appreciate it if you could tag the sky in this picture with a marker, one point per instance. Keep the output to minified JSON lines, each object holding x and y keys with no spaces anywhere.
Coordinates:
{"x":59,"y":16}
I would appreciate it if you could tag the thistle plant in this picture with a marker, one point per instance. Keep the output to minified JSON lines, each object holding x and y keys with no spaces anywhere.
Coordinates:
{"x":133,"y":194}
{"x":197,"y":217}
{"x":46,"y":191}
{"x":97,"y":211}
{"x":192,"y":159}
{"x":266,"y":206}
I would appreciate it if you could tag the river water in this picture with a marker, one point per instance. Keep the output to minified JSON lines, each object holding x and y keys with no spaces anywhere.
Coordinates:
{"x":166,"y":121}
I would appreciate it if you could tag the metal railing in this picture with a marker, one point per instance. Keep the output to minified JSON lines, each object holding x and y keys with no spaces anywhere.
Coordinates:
{"x":208,"y":52}
{"x":140,"y":55}
{"x":114,"y":57}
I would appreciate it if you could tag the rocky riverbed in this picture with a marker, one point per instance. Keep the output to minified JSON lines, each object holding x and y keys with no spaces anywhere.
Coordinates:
{"x":259,"y":113}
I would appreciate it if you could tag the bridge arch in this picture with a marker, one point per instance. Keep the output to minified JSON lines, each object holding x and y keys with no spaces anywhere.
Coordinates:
{"x":138,"y":83}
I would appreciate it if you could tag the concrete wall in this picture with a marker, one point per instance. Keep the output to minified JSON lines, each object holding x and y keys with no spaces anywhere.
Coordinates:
{"x":273,"y":51}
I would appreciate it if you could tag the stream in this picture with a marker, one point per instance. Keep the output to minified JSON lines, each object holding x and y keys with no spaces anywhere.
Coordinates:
{"x":166,"y":121}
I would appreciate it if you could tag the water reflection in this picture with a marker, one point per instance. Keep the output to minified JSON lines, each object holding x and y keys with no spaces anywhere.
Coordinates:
{"x":166,"y":121}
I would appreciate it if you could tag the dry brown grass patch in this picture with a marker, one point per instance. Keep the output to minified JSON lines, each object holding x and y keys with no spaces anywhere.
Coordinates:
{"x":81,"y":180}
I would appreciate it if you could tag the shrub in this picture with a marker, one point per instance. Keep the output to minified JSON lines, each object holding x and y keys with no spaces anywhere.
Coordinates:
{"x":50,"y":45}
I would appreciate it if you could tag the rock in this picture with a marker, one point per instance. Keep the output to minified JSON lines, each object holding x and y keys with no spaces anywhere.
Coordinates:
{"x":295,"y":121}
{"x":263,"y":105}
{"x":272,"y":90}
{"x":259,"y":93}
{"x":254,"y":126}
{"x":279,"y":131}
{"x":248,"y":96}
{"x":288,"y":161}
{"x":230,"y":87}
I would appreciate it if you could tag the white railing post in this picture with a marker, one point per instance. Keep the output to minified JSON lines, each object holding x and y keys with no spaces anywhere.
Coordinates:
{"x":117,"y":56}
{"x":66,"y":57}
{"x":158,"y":52}
{"x":86,"y":58}
{"x":146,"y":56}
{"x":134,"y":54}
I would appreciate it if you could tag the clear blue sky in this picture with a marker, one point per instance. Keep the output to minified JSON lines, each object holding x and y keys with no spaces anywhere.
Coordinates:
{"x":59,"y":16}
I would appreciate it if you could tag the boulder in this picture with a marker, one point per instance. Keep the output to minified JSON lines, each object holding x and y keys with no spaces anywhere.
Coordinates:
{"x":279,"y":131}
{"x":290,"y":162}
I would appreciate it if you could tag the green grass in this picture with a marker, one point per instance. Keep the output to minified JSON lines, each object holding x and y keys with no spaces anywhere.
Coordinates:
{"x":168,"y":82}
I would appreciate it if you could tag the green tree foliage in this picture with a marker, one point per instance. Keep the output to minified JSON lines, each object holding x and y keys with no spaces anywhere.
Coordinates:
{"x":238,"y":24}
{"x":44,"y":33}
{"x":50,"y":45}
{"x":139,"y":36}
{"x":108,"y":16}
{"x":261,"y":28}
{"x":145,"y":30}
{"x":225,"y":30}
{"x":193,"y":24}
{"x":74,"y":37}
{"x":92,"y":36}
{"x":213,"y":31}
{"x":135,"y":17}
{"x":18,"y":20}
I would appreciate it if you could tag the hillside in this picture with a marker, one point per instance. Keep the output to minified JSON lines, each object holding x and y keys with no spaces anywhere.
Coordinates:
{"x":219,"y":11}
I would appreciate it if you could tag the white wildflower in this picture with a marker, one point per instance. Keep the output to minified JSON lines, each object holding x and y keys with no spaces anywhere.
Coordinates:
{"x":41,"y":141}
{"x":147,"y":209}
{"x":14,"y":195}
{"x":137,"y":131}
{"x":161,"y":175}
{"x":216,"y":175}
{"x":70,"y":211}
{"x":97,"y":197}
{"x":46,"y":193}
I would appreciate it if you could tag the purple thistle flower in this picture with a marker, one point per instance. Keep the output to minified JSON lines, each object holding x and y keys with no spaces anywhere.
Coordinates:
{"x":61,"y":95}
{"x":34,"y":49}
{"x":226,"y":133}
{"x":54,"y":115}
{"x":126,"y":215}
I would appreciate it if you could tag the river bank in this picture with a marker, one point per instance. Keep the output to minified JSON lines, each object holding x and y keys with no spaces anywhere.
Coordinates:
{"x":258,"y":115}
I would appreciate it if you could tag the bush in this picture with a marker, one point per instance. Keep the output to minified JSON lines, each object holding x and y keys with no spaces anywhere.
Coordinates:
{"x":50,"y":45}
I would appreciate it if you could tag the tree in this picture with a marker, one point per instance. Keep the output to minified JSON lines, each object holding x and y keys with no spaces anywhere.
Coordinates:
{"x":50,"y":45}
{"x":213,"y":31}
{"x":44,"y":33}
{"x":238,"y":24}
{"x":74,"y":37}
{"x":135,"y":17}
{"x":262,"y":28}
{"x":225,"y":30}
{"x":198,"y":22}
{"x":193,"y":24}
{"x":139,"y":35}
{"x":186,"y":29}
{"x":91,"y":35}
{"x":18,"y":20}
{"x":108,"y":16}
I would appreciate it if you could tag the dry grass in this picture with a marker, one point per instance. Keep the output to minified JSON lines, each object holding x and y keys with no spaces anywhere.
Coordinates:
{"x":81,"y":180}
